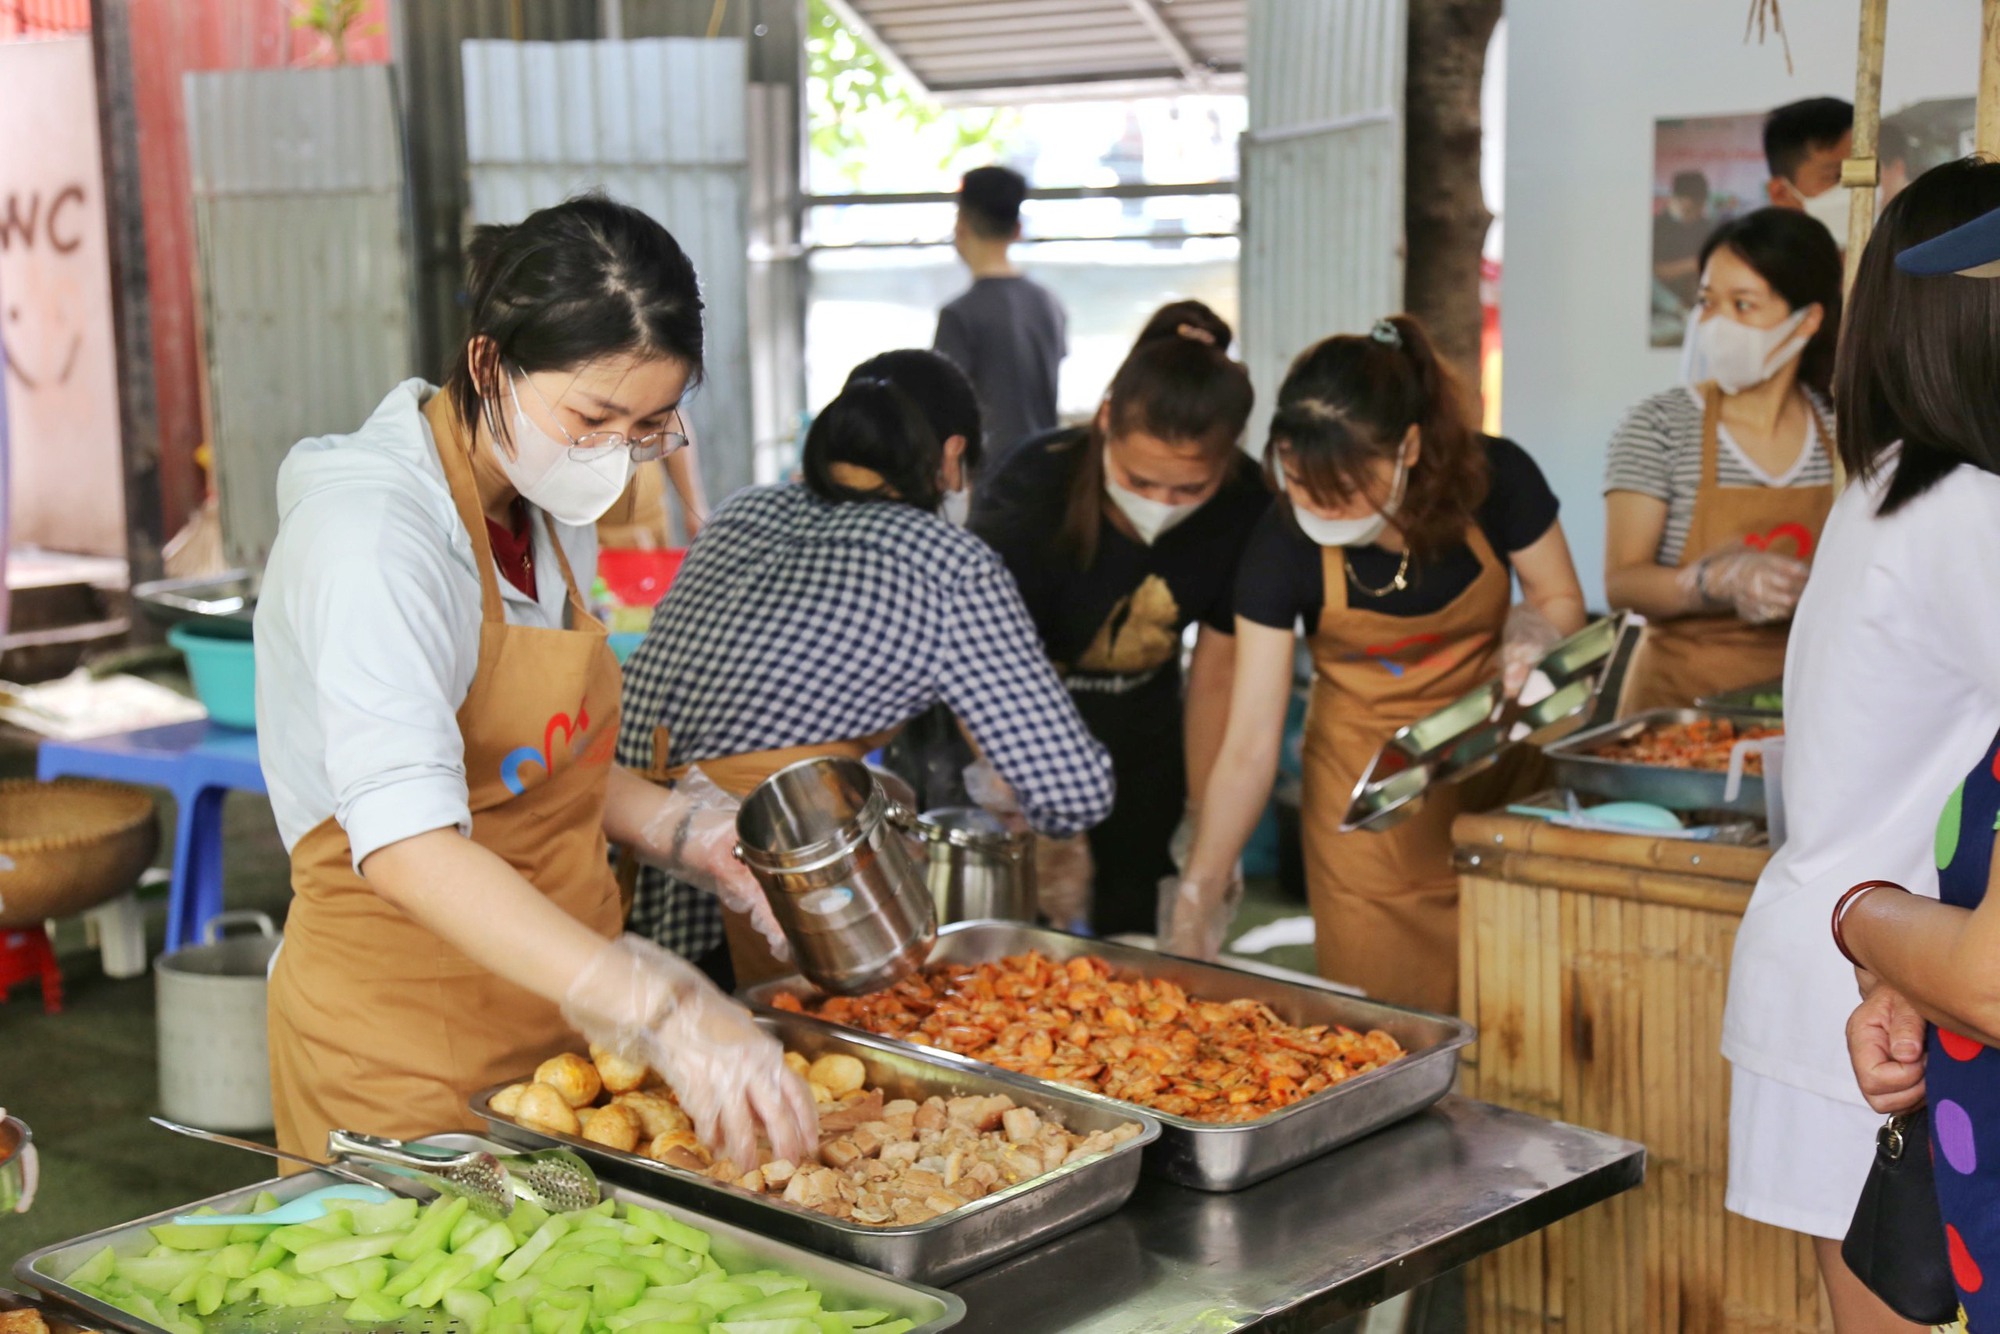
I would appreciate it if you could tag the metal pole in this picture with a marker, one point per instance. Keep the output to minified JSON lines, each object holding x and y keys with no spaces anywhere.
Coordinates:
{"x":131,"y":303}
{"x":1986,"y":130}
{"x":1861,"y":173}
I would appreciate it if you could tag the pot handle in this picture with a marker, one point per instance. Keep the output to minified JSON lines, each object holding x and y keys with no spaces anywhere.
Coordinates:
{"x":901,"y":816}
{"x":31,"y":1175}
{"x":211,"y":930}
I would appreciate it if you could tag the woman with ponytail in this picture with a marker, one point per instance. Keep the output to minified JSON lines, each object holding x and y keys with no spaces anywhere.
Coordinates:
{"x":1122,"y":535}
{"x":1396,"y":545}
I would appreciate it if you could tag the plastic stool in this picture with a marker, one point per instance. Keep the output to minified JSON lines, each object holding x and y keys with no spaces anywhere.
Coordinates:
{"x":26,"y":956}
{"x":199,"y":763}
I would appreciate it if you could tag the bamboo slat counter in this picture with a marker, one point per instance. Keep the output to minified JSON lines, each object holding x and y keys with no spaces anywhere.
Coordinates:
{"x":1595,"y":966}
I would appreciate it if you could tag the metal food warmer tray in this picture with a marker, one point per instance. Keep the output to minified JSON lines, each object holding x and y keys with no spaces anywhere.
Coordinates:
{"x":220,"y":603}
{"x":1469,"y":735}
{"x":1200,"y":1154}
{"x":1581,"y":766}
{"x":735,"y":1247}
{"x":942,"y":1250}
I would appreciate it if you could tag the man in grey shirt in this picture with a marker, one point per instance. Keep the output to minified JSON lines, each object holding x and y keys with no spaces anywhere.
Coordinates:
{"x":1005,"y":331}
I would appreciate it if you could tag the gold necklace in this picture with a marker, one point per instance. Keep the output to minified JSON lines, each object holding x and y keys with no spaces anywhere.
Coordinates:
{"x":1396,"y":585}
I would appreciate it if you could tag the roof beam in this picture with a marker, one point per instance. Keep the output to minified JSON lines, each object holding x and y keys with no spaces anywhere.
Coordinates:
{"x":858,"y":24}
{"x":1155,"y":22}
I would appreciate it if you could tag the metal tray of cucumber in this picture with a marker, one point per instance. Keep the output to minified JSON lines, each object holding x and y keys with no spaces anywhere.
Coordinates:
{"x":1200,"y":1154}
{"x":946,"y":1248}
{"x":843,"y":1286}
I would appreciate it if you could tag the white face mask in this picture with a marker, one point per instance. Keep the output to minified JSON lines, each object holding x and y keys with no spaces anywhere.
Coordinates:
{"x":1829,"y":209}
{"x":1352,"y":532}
{"x":957,"y":507}
{"x":1149,"y":518}
{"x":1737,"y":356}
{"x":575,"y":492}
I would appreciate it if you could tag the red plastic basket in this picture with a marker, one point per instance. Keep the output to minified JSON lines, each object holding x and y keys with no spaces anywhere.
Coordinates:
{"x":639,"y":578}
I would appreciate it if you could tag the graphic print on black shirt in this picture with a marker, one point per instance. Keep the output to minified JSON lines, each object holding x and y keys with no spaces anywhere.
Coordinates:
{"x":1282,"y":578}
{"x":1124,"y":615}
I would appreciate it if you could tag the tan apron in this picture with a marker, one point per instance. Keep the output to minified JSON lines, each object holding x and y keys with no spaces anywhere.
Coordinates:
{"x":378,"y":1025}
{"x":1692,"y":657}
{"x":1385,"y":905}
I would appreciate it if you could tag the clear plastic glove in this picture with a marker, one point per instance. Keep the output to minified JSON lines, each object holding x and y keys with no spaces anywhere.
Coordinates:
{"x":647,"y":1004}
{"x":1525,"y":640}
{"x":1193,"y":918}
{"x":692,"y":837}
{"x":987,"y":789}
{"x":1761,"y":586}
{"x":1064,"y":873}
{"x":1181,"y":846}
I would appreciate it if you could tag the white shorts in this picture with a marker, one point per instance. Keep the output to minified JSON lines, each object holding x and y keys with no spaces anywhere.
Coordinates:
{"x":1797,"y":1159}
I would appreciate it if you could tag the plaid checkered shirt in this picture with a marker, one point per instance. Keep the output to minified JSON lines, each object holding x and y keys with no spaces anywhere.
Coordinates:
{"x":798,"y":621}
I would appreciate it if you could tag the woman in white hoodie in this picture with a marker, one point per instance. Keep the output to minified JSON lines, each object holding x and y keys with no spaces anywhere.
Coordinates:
{"x":437,"y":712}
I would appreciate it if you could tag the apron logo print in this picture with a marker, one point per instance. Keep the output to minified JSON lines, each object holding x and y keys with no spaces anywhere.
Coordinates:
{"x":1399,"y":657}
{"x":1802,"y":539}
{"x":575,"y":736}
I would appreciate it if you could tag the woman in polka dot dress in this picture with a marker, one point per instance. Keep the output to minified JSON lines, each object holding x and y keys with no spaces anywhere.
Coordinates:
{"x":1952,"y":1066}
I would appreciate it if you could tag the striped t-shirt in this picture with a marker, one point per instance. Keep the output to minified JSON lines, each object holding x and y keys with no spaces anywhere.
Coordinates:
{"x":1656,"y":452}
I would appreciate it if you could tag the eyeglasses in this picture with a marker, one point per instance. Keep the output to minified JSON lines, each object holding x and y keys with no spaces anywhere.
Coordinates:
{"x":598,"y":445}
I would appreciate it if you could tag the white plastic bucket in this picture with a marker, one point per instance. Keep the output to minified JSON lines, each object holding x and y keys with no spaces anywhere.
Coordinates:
{"x":215,"y":1066}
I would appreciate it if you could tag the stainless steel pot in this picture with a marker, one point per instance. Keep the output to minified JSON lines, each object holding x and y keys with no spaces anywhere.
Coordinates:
{"x":978,"y":867}
{"x":19,"y":1170}
{"x":826,"y":846}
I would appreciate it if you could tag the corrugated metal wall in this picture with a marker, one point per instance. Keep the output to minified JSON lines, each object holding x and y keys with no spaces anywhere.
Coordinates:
{"x":298,"y":182}
{"x":660,"y":124}
{"x":1322,"y":177}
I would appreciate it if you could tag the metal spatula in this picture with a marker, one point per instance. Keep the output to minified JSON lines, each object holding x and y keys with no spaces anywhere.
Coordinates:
{"x":473,"y":1173}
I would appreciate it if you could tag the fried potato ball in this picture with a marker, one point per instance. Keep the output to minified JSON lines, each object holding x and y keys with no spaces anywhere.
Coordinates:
{"x":840,"y":1074}
{"x":572,"y":1076}
{"x":508,"y":1100}
{"x":615,"y":1128}
{"x":617,"y":1074}
{"x":544,"y":1108}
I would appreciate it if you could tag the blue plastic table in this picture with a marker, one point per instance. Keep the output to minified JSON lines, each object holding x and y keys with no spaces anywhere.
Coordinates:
{"x":199,"y":763}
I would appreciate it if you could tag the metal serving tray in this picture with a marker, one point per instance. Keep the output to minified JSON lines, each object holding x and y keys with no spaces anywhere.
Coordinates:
{"x":1196,"y":1153}
{"x":735,"y":1247}
{"x":945,"y":1249}
{"x":223,"y":603}
{"x":1581,"y":767}
{"x":1469,"y":735}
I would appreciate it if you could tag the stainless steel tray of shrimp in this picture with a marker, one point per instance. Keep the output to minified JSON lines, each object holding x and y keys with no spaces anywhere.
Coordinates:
{"x":737,"y":1247}
{"x":1199,"y":1145}
{"x":1016,"y":1214}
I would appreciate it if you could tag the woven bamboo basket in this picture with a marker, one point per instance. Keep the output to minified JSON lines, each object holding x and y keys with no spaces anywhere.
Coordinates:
{"x":69,"y":845}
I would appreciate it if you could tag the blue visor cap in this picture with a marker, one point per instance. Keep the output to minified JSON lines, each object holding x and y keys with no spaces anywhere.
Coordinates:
{"x":1969,"y":246}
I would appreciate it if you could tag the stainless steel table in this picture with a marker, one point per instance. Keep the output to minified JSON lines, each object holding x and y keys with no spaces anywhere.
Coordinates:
{"x":1327,"y":1239}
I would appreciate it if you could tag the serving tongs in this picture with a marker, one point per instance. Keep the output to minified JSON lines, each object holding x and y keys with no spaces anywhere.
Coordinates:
{"x":555,"y":1179}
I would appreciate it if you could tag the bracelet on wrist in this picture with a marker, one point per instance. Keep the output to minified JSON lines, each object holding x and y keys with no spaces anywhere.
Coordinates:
{"x":1847,"y":902}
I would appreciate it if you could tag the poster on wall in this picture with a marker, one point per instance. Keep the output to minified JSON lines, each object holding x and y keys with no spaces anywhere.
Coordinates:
{"x":1710,"y":169}
{"x":66,"y":477}
{"x":1706,"y":170}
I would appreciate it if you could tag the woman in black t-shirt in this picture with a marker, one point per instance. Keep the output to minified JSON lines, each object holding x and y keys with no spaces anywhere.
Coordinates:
{"x":1397,"y":543}
{"x":1120,"y":536}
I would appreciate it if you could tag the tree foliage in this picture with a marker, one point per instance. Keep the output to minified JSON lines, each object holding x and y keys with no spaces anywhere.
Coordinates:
{"x":866,"y":121}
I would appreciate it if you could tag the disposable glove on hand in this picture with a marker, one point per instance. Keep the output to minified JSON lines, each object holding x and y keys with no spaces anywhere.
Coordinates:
{"x":647,"y":1004}
{"x":1193,"y":918}
{"x":1525,"y":640}
{"x":692,"y":837}
{"x":1761,"y":586}
{"x":1064,"y":872}
{"x":987,"y":789}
